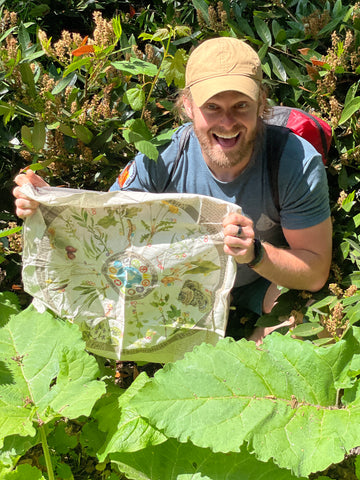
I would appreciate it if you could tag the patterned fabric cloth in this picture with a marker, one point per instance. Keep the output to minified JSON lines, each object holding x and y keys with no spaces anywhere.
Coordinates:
{"x":144,"y":275}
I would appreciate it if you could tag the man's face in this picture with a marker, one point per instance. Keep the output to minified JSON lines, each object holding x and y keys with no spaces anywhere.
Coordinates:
{"x":226,"y":126}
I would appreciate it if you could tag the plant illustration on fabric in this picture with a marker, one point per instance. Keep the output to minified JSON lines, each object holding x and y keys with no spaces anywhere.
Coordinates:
{"x":133,"y":276}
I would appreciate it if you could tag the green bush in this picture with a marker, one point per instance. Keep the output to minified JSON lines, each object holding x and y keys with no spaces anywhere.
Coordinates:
{"x":76,"y":108}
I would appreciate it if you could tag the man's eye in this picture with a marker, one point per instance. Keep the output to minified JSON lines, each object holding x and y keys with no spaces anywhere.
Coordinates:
{"x":242,"y":105}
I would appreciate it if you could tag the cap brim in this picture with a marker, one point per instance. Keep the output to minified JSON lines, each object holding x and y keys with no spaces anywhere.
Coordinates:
{"x":202,"y":91}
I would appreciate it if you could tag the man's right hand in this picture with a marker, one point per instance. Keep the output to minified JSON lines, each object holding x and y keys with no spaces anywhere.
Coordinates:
{"x":25,"y":206}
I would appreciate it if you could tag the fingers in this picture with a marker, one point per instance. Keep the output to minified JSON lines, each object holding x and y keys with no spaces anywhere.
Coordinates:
{"x":30,"y":177}
{"x":25,"y":206}
{"x":239,"y":237}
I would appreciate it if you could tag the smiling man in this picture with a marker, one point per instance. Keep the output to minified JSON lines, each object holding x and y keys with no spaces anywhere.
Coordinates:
{"x":223,"y":154}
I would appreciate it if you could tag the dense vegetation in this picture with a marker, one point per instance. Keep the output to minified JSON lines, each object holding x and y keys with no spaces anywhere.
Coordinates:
{"x":86,"y":84}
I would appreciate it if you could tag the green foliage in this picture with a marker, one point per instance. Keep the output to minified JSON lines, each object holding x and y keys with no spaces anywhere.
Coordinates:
{"x":281,"y":399}
{"x":45,"y":375}
{"x":254,"y":412}
{"x":77,"y":109}
{"x":184,"y":461}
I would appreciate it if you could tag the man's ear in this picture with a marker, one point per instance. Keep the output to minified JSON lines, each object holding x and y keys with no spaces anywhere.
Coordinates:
{"x":188,"y":106}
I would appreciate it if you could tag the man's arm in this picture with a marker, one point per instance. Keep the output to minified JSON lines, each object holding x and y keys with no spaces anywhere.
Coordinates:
{"x":304,"y":265}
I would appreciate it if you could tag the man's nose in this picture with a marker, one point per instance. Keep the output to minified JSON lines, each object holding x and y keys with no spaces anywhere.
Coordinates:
{"x":228,"y":120}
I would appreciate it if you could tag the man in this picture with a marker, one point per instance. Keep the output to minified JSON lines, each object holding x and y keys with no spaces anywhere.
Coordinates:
{"x":225,"y":157}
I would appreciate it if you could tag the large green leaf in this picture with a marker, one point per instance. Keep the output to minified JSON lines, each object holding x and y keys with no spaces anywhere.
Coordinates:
{"x":278,"y":67}
{"x":28,"y":78}
{"x":22,"y":472}
{"x":139,"y":134}
{"x":175,"y":461}
{"x":135,"y":97}
{"x":202,"y":6}
{"x":14,"y":447}
{"x":64,"y":82}
{"x":263,"y":30}
{"x":45,"y":373}
{"x":39,"y":135}
{"x":174,"y":69}
{"x":349,"y":109}
{"x":126,"y":430}
{"x":279,"y":398}
{"x":136,"y":67}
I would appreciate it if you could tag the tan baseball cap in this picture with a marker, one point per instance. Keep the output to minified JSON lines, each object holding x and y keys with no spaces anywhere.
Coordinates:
{"x":222,"y":64}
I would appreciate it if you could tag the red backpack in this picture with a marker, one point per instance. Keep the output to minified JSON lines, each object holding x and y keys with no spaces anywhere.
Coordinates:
{"x":313,"y":129}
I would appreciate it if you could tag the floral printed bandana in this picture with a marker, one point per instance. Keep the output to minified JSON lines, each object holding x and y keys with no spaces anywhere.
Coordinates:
{"x":144,"y":275}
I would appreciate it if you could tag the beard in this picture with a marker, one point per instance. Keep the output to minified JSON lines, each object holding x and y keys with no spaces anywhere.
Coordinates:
{"x":217,"y":157}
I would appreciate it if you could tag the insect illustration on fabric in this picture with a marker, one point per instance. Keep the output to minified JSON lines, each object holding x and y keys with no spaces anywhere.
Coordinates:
{"x":192,"y":293}
{"x":70,"y":252}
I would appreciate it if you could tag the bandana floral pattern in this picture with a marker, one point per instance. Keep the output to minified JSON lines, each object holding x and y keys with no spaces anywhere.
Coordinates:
{"x":144,"y":275}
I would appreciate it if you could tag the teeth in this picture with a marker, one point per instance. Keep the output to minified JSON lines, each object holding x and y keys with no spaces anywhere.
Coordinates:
{"x":227,"y":136}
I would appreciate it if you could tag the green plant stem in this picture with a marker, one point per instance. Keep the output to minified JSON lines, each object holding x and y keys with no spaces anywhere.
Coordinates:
{"x":153,"y":83}
{"x":46,"y":451}
{"x":338,"y":401}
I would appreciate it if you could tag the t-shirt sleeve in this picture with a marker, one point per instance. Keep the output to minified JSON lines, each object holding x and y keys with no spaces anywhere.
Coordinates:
{"x":146,"y":175}
{"x":303,"y":187}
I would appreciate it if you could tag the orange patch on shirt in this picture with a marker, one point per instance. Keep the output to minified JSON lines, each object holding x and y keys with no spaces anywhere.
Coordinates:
{"x":127,"y":174}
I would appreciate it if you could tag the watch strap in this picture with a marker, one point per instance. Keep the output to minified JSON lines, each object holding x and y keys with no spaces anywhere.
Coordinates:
{"x":259,"y":251}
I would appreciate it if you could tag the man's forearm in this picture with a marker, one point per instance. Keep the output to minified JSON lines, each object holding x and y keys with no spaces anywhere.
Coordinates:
{"x":297,"y":269}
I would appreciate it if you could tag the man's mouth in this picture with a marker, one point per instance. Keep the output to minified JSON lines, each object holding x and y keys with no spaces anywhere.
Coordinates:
{"x":226,"y":140}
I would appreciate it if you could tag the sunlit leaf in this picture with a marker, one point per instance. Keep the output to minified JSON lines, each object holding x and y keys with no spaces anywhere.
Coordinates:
{"x":125,"y":430}
{"x":46,"y":373}
{"x":263,"y":30}
{"x":135,"y":97}
{"x":278,"y":67}
{"x":136,"y":67}
{"x":279,"y":398}
{"x":175,"y":461}
{"x":307,"y":329}
{"x":349,"y":109}
{"x":63,"y":83}
{"x":116,"y":23}
{"x":174,"y":69}
{"x":83,"y":133}
{"x":23,"y":472}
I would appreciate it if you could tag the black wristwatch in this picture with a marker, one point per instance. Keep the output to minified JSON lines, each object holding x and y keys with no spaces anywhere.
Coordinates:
{"x":259,"y":251}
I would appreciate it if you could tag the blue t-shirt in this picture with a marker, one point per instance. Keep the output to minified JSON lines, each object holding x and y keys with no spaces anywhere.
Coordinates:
{"x":303,"y":189}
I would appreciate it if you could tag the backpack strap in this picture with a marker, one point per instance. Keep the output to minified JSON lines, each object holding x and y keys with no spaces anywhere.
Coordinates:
{"x":185,"y":135}
{"x":276,"y":138}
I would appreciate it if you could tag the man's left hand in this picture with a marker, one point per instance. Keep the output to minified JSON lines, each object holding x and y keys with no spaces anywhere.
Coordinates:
{"x":239,"y":237}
